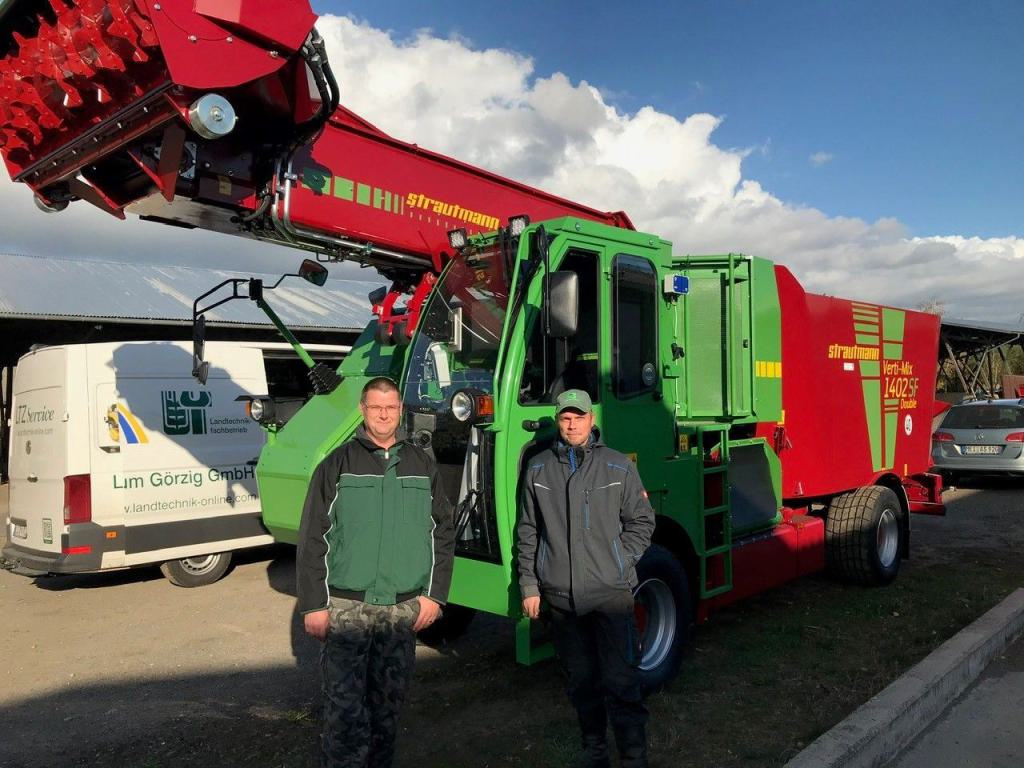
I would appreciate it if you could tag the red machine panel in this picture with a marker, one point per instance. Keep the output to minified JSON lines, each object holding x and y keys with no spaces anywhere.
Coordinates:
{"x":360,"y":183}
{"x":857,"y":383}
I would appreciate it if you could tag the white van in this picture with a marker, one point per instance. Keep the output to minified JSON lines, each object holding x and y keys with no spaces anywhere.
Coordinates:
{"x":118,"y":457}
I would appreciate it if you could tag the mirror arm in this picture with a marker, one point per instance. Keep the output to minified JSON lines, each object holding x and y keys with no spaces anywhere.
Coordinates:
{"x":288,"y":335}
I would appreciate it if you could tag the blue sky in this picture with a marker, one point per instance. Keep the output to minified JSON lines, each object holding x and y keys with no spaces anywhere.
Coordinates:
{"x":916,"y":106}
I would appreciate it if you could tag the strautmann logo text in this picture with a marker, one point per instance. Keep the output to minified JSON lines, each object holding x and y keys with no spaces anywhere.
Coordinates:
{"x":392,"y":201}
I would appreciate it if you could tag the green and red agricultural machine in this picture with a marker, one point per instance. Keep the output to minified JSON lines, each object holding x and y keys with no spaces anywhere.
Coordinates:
{"x":777,"y":432}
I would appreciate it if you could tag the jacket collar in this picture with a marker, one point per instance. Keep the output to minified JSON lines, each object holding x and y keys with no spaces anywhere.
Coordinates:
{"x":364,"y":439}
{"x":562,"y":448}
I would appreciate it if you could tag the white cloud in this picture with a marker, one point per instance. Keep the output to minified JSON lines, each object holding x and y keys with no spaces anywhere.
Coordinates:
{"x":489,"y":108}
{"x":819,"y":159}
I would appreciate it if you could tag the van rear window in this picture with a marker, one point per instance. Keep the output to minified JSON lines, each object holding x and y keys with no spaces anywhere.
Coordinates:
{"x":984,"y":417}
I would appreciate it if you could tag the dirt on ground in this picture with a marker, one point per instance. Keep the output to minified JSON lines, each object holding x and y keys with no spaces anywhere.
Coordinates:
{"x":124,"y":669}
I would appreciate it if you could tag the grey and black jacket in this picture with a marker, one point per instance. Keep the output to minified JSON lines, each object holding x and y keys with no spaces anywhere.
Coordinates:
{"x":584,"y":523}
{"x":376,"y":527}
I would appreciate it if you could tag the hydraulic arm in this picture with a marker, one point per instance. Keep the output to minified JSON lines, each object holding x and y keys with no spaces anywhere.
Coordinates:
{"x":225,"y":116}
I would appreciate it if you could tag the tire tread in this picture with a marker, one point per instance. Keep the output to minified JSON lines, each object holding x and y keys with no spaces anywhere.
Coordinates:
{"x":850,"y":535}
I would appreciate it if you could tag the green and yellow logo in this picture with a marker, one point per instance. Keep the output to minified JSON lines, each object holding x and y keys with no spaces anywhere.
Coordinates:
{"x":887,"y":380}
{"x":185,"y":412}
{"x":398,"y":203}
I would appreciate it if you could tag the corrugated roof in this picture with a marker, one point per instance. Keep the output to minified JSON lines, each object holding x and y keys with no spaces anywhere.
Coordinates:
{"x":53,"y":287}
{"x":975,"y":325}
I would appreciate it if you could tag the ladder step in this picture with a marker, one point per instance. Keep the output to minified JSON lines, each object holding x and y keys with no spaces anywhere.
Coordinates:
{"x":716,"y":510}
{"x":725,"y":548}
{"x":720,"y":590}
{"x":718,"y":469}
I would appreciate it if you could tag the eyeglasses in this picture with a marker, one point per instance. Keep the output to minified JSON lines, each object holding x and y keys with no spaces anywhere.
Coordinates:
{"x":377,"y":410}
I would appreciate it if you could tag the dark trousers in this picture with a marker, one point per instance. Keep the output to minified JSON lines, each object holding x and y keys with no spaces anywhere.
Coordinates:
{"x":599,"y":652}
{"x":366,"y":665}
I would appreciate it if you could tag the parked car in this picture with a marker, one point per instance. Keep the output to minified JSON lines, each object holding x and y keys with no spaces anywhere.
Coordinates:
{"x":980,"y":437}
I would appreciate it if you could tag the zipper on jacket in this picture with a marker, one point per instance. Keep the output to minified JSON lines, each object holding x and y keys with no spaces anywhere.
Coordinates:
{"x":586,"y":509}
{"x":618,"y":559}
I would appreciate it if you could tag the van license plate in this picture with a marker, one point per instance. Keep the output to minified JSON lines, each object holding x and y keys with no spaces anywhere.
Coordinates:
{"x":982,"y":450}
{"x":20,"y":532}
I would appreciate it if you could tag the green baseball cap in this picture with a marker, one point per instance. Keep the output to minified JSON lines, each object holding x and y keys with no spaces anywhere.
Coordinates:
{"x":574,"y":399}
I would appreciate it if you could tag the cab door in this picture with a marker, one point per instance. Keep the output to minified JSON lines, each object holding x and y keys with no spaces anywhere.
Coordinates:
{"x":637,"y":418}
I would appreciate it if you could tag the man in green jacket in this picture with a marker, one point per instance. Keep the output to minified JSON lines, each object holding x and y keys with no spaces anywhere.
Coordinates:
{"x":374,"y":563}
{"x":584,"y":524}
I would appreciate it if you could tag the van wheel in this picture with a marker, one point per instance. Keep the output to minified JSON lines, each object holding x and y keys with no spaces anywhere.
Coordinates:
{"x":196,"y":571}
{"x":864,"y":536}
{"x":451,"y":625}
{"x":664,"y":616}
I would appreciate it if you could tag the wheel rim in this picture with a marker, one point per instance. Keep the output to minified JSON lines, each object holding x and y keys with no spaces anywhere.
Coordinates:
{"x":656,"y":622}
{"x":200,"y":566}
{"x":887,"y":537}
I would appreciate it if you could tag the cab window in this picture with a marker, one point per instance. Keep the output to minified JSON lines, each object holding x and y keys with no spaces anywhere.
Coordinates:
{"x":635,"y":340}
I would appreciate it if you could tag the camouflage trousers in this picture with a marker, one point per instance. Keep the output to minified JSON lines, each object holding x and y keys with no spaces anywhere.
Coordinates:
{"x":366,"y":664}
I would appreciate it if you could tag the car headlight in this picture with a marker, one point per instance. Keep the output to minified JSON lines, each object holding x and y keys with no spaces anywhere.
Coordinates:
{"x":462,"y":406}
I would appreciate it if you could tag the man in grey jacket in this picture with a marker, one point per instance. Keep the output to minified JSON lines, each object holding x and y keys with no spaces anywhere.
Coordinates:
{"x":584,"y":524}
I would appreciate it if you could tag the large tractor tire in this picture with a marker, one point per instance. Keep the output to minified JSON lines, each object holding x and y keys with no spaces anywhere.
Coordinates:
{"x":864,"y":536}
{"x":664,"y":616}
{"x":450,"y":625}
{"x":196,"y":571}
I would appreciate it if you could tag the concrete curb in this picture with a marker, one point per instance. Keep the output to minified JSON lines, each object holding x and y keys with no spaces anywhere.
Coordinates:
{"x":877,"y":731}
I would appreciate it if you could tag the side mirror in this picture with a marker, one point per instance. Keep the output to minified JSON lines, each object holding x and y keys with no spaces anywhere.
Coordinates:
{"x":313,"y":272}
{"x":200,"y":368}
{"x":562,"y":290}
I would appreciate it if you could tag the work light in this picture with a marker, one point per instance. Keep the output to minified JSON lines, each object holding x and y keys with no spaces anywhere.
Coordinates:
{"x":457,"y":239}
{"x":517,"y":224}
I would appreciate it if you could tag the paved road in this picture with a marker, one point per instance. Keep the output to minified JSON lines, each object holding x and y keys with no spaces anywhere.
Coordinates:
{"x":984,"y":728}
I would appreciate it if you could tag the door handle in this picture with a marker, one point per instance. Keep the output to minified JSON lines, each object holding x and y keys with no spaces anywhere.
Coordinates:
{"x":33,"y":478}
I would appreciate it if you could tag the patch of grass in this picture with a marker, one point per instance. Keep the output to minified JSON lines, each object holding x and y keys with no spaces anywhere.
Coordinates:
{"x":298,"y":715}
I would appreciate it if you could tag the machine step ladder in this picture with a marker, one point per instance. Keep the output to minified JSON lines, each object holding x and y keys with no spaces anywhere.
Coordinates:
{"x":715,"y":546}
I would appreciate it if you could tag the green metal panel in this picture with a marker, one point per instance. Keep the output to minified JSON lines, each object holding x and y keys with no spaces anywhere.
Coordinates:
{"x":725,"y":313}
{"x":766,"y":340}
{"x":705,"y":337}
{"x":293,"y":452}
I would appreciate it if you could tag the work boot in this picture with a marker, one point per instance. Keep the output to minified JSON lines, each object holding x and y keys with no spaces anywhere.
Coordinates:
{"x":594,"y":729}
{"x":632,"y":743}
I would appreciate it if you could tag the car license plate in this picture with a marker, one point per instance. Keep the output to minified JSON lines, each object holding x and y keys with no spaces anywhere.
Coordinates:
{"x":982,"y":450}
{"x":20,"y":532}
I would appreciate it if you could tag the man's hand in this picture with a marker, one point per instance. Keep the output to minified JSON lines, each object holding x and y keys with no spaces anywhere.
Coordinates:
{"x":429,"y":613}
{"x":316,"y":623}
{"x":531,"y":606}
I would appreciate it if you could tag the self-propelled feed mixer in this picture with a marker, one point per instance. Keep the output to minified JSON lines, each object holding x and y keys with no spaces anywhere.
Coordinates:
{"x":776,"y":432}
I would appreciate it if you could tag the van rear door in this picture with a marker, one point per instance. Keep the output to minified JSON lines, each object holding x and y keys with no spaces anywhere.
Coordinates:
{"x":38,"y":459}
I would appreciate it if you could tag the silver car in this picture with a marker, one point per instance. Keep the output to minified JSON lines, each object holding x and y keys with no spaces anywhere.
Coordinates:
{"x":982,"y":437}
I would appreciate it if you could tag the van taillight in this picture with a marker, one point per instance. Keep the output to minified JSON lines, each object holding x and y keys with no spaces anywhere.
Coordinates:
{"x":942,"y":437}
{"x":77,"y":499}
{"x":1015,"y":437}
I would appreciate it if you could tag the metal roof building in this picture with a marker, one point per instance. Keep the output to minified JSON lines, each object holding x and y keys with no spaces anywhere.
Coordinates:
{"x":53,"y":288}
{"x":46,"y":300}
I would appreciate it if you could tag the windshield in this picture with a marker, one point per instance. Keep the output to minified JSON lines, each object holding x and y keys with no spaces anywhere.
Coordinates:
{"x":460,"y":330}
